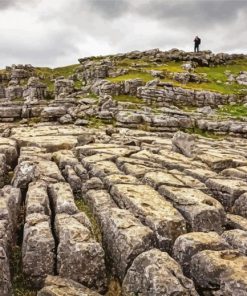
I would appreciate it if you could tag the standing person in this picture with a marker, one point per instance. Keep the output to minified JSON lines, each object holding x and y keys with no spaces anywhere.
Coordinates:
{"x":197,"y":42}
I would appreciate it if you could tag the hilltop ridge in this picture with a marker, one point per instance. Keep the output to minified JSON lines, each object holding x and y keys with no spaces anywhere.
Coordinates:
{"x":123,"y":175}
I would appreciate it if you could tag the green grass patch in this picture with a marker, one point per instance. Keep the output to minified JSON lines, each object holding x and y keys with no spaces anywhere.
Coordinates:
{"x":83,"y":207}
{"x":78,"y":84}
{"x":95,"y":122}
{"x":217,"y":73}
{"x":205,"y":134}
{"x":217,"y":79}
{"x":233,"y":110}
{"x":47,"y":74}
{"x":216,"y":87}
{"x":132,"y":75}
{"x":19,"y":283}
{"x":172,"y":66}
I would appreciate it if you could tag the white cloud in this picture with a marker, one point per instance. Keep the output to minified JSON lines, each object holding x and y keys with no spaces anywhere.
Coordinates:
{"x":55,"y":33}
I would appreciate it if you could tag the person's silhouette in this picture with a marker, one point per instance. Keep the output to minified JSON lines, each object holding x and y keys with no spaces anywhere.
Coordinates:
{"x":197,"y":42}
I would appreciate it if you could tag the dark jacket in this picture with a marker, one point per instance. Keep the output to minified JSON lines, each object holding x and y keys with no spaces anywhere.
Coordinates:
{"x":197,"y":41}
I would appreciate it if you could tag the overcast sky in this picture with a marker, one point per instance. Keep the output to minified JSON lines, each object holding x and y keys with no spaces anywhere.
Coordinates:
{"x":58,"y":32}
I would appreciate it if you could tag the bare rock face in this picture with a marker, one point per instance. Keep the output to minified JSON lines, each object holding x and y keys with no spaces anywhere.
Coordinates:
{"x":24,"y":173}
{"x":224,"y":271}
{"x":3,"y":169}
{"x":66,"y":119}
{"x":242,"y":78}
{"x":227,"y":191}
{"x":37,"y":200}
{"x":201,"y":211}
{"x":106,"y":102}
{"x":5,"y":282}
{"x":38,"y":243}
{"x":8,"y":147}
{"x":72,"y":178}
{"x":153,"y":210}
{"x":156,"y":273}
{"x":38,"y":247}
{"x":237,"y":239}
{"x":184,"y":144}
{"x":35,"y":90}
{"x":53,"y":112}
{"x":62,"y":198}
{"x":14,"y":92}
{"x":189,"y":244}
{"x":58,"y":286}
{"x":10,"y":199}
{"x":124,"y":237}
{"x":79,"y":256}
{"x":65,"y":86}
{"x":240,"y":205}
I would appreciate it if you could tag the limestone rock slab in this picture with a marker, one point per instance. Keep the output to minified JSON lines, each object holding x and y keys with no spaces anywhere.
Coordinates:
{"x":79,"y":256}
{"x":224,"y":271}
{"x":37,"y":249}
{"x":152,"y":210}
{"x":201,"y":211}
{"x":189,"y":244}
{"x":156,"y":273}
{"x":62,"y":198}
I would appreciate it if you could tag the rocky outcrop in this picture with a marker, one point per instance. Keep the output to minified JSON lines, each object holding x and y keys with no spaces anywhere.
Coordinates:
{"x":10,"y":200}
{"x":184,"y":143}
{"x":156,"y":273}
{"x":112,"y":200}
{"x":63,"y":86}
{"x":35,"y":90}
{"x":220,"y":270}
{"x":166,"y":95}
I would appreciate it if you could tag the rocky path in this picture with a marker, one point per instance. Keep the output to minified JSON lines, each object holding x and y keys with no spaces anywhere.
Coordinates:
{"x":169,"y":224}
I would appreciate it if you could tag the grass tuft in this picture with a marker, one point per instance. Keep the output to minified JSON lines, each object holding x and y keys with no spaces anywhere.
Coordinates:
{"x":204,"y":134}
{"x":237,"y":111}
{"x":19,"y":282}
{"x":83,"y":207}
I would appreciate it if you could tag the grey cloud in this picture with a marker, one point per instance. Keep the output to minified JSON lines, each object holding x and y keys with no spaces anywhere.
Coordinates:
{"x":53,"y":50}
{"x":192,"y":13}
{"x":109,"y":8}
{"x":6,"y":4}
{"x":62,"y":33}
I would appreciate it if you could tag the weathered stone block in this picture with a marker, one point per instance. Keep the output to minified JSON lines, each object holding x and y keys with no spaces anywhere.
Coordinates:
{"x":5,"y":281}
{"x":37,"y":200}
{"x":224,"y":271}
{"x":201,"y":211}
{"x":37,"y":249}
{"x":103,"y":168}
{"x":10,"y":200}
{"x":62,"y":198}
{"x":226,"y":190}
{"x":79,"y":256}
{"x":152,"y":210}
{"x":72,"y":178}
{"x":156,"y":273}
{"x":189,"y":244}
{"x":124,"y":238}
{"x":237,"y":239}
